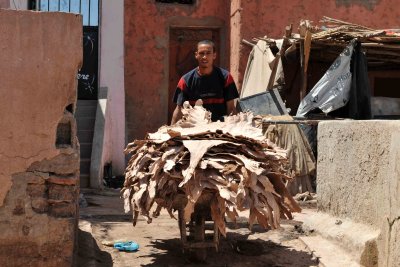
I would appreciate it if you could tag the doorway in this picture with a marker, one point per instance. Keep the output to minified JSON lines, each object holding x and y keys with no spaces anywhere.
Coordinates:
{"x":182,"y":46}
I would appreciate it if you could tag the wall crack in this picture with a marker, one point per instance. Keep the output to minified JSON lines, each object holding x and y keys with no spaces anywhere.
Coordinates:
{"x":24,"y":158}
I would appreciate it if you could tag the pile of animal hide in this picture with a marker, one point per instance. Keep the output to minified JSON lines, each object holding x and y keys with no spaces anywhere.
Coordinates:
{"x":231,"y":160}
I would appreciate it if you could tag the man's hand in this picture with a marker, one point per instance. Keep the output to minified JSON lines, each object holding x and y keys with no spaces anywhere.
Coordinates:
{"x":230,"y":107}
{"x":177,"y":115}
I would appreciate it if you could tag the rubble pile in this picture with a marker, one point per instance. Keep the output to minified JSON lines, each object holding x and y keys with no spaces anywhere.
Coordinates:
{"x":231,"y":161}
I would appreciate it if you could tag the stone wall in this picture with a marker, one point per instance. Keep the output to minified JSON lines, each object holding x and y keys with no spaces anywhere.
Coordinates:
{"x":359,"y":178}
{"x":39,"y":152}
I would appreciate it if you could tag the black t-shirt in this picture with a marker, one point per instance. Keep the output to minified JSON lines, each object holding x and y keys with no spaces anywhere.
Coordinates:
{"x":214,"y":90}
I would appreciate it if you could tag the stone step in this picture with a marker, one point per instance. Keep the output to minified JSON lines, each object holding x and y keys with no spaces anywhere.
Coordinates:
{"x":86,"y":108}
{"x":86,"y":151}
{"x":328,"y":253}
{"x":358,"y":240}
{"x":85,"y":123}
{"x":86,"y":111}
{"x":85,"y":115}
{"x":85,"y":136}
{"x":85,"y":166}
{"x":84,"y":180}
{"x":81,"y":103}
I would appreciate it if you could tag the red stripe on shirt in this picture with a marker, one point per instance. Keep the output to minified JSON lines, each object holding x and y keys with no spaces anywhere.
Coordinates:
{"x":209,"y":101}
{"x":229,"y":80}
{"x":182,"y":84}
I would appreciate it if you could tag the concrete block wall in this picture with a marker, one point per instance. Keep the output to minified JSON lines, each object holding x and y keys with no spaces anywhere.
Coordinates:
{"x":358,"y":178}
{"x":40,"y":54}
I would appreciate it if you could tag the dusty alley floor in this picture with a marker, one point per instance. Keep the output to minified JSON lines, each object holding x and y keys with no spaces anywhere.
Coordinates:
{"x":104,"y":220}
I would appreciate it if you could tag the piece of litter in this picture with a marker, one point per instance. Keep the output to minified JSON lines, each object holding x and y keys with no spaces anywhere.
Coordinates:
{"x":110,"y":243}
{"x":126,"y":246}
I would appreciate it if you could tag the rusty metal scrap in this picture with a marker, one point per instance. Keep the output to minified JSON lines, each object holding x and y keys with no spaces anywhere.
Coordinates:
{"x":231,"y":160}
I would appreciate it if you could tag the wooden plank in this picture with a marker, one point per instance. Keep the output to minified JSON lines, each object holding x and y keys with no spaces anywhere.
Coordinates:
{"x":308,"y":122}
{"x":307,"y":49}
{"x":288,"y":32}
{"x":396,"y":47}
{"x":216,"y":236}
{"x":382,"y":52}
{"x":247,"y":42}
{"x":336,"y":21}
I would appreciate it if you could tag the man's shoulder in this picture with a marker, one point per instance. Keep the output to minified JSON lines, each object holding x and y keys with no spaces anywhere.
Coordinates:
{"x":189,"y":74}
{"x":223,"y":71}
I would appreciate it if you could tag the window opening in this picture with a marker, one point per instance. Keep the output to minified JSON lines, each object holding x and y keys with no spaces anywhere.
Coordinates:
{"x":63,"y":135}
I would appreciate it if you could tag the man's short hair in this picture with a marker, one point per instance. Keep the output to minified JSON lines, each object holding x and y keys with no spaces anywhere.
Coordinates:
{"x":206,"y":42}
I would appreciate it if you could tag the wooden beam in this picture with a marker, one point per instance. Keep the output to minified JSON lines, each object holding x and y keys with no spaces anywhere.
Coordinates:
{"x":305,"y":47}
{"x":247,"y":42}
{"x":288,"y":33}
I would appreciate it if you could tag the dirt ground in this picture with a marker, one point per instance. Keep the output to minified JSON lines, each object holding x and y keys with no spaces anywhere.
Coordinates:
{"x":103,"y":221}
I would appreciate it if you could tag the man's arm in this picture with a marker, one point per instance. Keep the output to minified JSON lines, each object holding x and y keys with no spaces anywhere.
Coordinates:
{"x":230,"y":94}
{"x":230,"y":107}
{"x":177,"y":115}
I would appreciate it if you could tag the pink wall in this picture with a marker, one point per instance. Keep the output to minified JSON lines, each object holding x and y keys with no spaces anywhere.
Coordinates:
{"x":147,"y":27}
{"x":4,"y":3}
{"x":268,"y":17}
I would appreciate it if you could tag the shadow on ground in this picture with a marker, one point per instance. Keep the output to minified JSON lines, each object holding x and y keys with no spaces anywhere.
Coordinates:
{"x":89,"y":253}
{"x":235,"y":250}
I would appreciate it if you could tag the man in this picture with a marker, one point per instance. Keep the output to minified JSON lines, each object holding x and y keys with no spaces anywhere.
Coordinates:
{"x":213,"y":85}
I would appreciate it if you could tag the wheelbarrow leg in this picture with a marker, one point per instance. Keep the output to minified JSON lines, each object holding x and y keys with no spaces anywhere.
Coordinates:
{"x":199,"y":236}
{"x":182,"y":227}
{"x":216,"y":237}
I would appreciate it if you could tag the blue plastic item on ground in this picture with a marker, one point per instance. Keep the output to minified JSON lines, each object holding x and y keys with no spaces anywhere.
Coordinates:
{"x":126,"y":246}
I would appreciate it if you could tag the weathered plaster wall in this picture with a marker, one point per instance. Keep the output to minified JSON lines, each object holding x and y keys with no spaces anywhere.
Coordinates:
{"x":235,"y":34}
{"x":4,"y":3}
{"x":267,"y":17}
{"x":359,"y":178}
{"x":147,"y":27}
{"x":40,"y":54}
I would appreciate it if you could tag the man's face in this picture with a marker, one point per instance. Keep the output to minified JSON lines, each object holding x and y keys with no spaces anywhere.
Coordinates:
{"x":205,"y":55}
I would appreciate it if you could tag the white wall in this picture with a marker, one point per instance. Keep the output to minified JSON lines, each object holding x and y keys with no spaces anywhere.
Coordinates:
{"x":19,"y":4}
{"x":358,"y":178}
{"x":112,"y":76}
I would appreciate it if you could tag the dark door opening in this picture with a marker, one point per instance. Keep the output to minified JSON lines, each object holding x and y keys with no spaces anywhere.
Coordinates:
{"x":88,"y":74}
